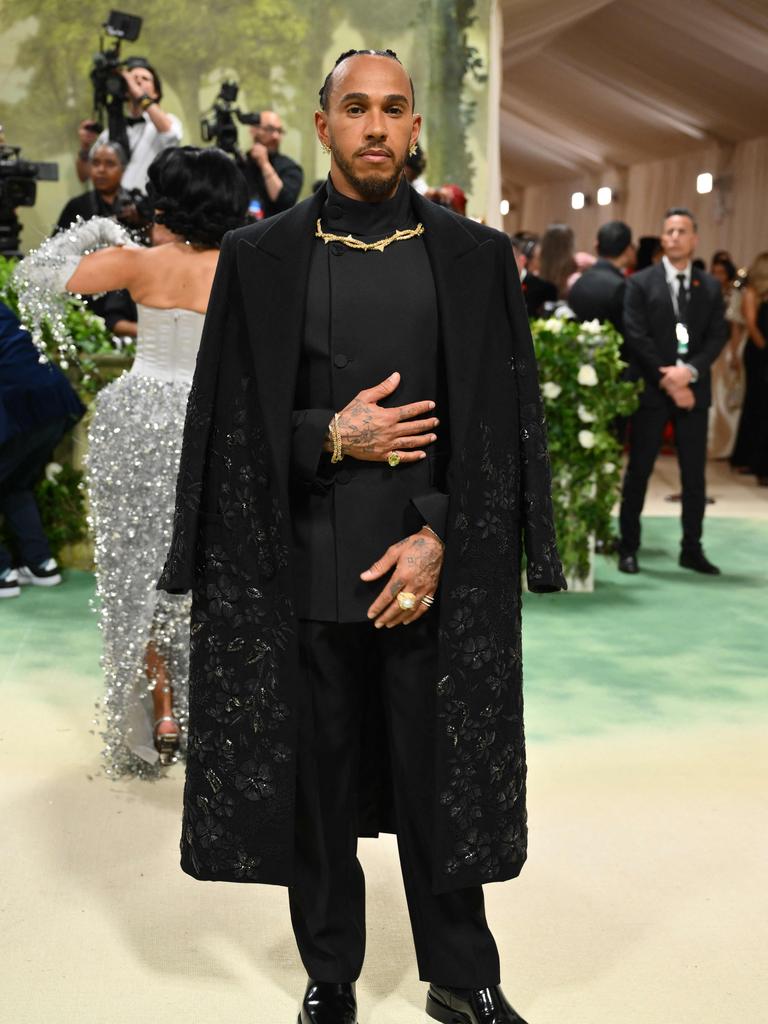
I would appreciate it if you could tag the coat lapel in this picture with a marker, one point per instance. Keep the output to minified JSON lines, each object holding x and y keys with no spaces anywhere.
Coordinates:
{"x":273,"y":272}
{"x":463,"y":271}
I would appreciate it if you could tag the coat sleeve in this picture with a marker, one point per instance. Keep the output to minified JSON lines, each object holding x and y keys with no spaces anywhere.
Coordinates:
{"x":638,"y":339}
{"x":544,"y":571}
{"x":178,"y":573}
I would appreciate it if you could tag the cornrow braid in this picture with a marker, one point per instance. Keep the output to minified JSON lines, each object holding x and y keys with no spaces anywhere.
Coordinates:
{"x":325,"y":90}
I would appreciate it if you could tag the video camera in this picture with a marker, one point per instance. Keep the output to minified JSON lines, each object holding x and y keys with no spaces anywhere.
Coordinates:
{"x":109,"y":86}
{"x":218,"y":126}
{"x":18,"y":187}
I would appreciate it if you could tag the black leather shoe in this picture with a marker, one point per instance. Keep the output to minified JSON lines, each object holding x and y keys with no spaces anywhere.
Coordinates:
{"x":329,"y":1003}
{"x":628,"y":563}
{"x":697,"y":561}
{"x":470,"y":1006}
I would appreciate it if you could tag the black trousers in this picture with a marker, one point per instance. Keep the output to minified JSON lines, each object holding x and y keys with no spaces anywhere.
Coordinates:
{"x":22,"y":461}
{"x":454,"y":945}
{"x":645,"y":442}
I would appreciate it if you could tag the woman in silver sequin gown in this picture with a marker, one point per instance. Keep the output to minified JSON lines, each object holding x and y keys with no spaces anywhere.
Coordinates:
{"x":134,"y":449}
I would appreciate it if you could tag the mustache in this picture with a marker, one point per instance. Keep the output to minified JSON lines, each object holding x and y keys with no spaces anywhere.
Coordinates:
{"x":374,"y":149}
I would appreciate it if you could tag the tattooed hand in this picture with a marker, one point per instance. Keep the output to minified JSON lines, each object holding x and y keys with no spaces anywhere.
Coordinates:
{"x":417,"y":562}
{"x":370,"y":433}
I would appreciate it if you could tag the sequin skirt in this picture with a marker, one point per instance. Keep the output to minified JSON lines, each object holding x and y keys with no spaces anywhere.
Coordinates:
{"x":133,"y":460}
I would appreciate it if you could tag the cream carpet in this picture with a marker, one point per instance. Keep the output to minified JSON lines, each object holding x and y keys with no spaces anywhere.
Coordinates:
{"x":643,"y":901}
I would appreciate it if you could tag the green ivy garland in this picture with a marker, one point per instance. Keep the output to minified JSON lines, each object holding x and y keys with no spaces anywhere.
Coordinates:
{"x":580,"y":371}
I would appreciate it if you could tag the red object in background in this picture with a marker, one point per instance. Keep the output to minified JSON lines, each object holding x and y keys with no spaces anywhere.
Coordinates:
{"x":458,"y":199}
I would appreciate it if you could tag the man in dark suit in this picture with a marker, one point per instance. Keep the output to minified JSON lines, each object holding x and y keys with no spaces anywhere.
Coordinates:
{"x":355,"y":564}
{"x":599,"y":293}
{"x":536,"y":291}
{"x":674,"y":329}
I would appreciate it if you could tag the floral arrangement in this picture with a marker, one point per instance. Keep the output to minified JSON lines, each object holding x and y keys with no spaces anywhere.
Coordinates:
{"x":580,"y":370}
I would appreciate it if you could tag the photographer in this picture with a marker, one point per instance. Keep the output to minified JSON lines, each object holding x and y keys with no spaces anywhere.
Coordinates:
{"x":274,"y":180}
{"x":146,"y":129}
{"x":107,"y":162}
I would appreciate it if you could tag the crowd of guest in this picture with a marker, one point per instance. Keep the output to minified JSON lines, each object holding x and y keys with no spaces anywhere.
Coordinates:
{"x":555,"y":275}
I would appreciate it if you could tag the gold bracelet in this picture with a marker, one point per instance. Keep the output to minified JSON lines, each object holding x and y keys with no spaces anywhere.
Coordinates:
{"x":338,"y":450}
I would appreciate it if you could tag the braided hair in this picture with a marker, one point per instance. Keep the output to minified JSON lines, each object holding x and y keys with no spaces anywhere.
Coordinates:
{"x":325,"y":90}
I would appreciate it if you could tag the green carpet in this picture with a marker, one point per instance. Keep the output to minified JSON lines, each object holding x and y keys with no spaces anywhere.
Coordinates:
{"x":659,"y":649}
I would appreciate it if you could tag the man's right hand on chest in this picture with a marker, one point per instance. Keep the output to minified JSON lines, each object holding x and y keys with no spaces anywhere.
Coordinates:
{"x":371,"y":433}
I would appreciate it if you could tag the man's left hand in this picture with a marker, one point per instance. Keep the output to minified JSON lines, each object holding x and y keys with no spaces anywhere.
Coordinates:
{"x":673,"y":377}
{"x":417,"y":562}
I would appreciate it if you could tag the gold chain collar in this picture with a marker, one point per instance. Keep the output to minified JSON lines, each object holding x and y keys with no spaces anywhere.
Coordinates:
{"x":355,"y":243}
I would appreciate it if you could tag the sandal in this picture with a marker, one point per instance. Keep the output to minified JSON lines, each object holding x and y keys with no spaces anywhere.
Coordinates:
{"x":167,"y":743}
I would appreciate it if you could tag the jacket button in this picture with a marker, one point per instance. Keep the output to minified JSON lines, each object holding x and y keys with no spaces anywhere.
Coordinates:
{"x":337,"y":249}
{"x":343,"y":476}
{"x":340,"y":360}
{"x":335,"y":212}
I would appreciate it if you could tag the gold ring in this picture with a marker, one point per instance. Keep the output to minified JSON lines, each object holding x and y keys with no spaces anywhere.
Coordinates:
{"x":406,"y":600}
{"x":393,"y":459}
{"x":428,"y":600}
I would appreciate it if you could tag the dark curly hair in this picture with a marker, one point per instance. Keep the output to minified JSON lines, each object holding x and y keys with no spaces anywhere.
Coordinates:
{"x":325,"y":89}
{"x":198,"y":194}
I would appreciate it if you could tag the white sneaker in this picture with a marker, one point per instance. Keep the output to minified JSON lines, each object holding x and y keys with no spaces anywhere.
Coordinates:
{"x":9,"y":583}
{"x":45,"y":575}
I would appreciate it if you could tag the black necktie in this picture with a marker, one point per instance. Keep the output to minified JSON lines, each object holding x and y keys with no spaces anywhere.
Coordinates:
{"x":682,"y":300}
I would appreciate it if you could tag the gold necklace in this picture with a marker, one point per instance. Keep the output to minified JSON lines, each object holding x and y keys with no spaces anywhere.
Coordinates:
{"x":355,"y":243}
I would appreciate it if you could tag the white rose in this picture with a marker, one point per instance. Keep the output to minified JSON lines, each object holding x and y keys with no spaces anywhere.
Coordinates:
{"x":609,"y":467}
{"x":52,"y":470}
{"x":553,"y":325}
{"x":592,"y":327}
{"x":586,"y":439}
{"x":550,"y":389}
{"x":585,"y":415}
{"x":587,"y":375}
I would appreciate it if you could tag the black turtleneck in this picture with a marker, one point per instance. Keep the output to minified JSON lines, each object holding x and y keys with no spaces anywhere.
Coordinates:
{"x":367,"y":315}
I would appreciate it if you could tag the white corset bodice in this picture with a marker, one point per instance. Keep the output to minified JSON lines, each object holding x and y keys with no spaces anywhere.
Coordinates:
{"x":167,"y":343}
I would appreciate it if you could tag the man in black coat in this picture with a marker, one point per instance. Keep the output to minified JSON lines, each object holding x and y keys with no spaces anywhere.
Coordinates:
{"x":674,"y":329}
{"x":363,"y":454}
{"x":599,"y":293}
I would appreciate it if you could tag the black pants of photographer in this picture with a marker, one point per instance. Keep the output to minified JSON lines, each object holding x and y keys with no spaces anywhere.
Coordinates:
{"x":22,"y":461}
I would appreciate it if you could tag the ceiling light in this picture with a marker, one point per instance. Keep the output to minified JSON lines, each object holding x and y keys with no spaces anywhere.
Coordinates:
{"x":504,"y":207}
{"x":577,"y":201}
{"x":704,"y":183}
{"x":604,"y":196}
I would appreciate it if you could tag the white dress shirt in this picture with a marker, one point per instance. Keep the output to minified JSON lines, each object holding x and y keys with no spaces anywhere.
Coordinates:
{"x":145,"y":142}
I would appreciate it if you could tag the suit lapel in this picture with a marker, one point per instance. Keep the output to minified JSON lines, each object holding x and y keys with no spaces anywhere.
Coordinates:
{"x":463,"y":272}
{"x":273,"y":273}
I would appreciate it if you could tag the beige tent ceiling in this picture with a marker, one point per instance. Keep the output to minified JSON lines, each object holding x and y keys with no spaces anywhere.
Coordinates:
{"x":590,"y":83}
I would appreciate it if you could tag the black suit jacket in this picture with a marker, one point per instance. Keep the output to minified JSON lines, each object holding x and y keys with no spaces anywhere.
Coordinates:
{"x":599,"y":294}
{"x":537,"y":291}
{"x":649,"y":331}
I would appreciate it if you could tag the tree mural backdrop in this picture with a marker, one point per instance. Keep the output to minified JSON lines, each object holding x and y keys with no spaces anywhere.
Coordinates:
{"x":279,"y":52}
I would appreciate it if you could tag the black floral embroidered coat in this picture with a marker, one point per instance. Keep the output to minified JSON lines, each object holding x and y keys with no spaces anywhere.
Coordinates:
{"x":232,"y":548}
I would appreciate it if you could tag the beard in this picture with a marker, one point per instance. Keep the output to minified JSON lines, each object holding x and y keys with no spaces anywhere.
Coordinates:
{"x":375,"y":186}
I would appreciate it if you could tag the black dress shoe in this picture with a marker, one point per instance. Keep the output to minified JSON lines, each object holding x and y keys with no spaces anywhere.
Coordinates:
{"x":470,"y":1006}
{"x":628,"y":563}
{"x":697,"y":561}
{"x":329,"y":1003}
